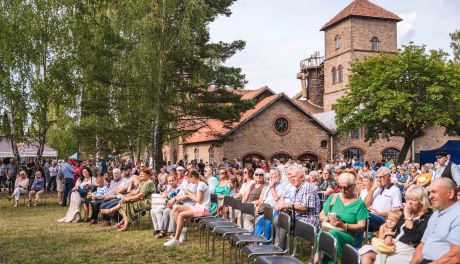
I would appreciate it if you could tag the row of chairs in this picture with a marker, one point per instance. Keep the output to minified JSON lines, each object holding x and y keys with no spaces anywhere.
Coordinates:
{"x":260,"y":249}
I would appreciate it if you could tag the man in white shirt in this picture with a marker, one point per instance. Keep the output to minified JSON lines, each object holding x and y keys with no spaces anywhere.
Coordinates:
{"x":382,"y":198}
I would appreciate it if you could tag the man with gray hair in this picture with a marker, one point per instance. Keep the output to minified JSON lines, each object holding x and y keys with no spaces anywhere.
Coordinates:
{"x":382,"y":198}
{"x":441,"y":240}
{"x":305,"y":204}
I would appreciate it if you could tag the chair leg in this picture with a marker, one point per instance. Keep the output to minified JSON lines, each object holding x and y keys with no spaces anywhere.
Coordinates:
{"x":213,"y":241}
{"x":223,"y":248}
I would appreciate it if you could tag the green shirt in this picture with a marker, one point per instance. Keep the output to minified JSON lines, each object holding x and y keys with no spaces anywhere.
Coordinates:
{"x":350,"y":214}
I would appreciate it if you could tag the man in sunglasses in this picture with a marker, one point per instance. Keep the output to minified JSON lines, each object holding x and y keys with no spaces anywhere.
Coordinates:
{"x":382,"y":198}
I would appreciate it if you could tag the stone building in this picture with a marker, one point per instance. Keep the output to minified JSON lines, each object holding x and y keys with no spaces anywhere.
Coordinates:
{"x":304,"y":126}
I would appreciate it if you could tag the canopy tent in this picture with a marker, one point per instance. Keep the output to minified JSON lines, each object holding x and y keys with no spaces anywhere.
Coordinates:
{"x":452,"y":147}
{"x":74,"y":156}
{"x":25,"y":150}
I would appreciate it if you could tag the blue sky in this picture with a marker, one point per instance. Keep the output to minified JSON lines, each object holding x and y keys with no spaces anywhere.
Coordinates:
{"x":279,"y":34}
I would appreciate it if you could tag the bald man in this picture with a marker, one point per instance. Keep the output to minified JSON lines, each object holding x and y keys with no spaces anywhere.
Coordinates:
{"x":441,"y":240}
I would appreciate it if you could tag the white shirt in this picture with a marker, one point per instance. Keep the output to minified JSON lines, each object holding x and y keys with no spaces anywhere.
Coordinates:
{"x":245,"y":187}
{"x":454,"y":169}
{"x":387,"y":200}
{"x":284,"y":189}
{"x":206,"y":202}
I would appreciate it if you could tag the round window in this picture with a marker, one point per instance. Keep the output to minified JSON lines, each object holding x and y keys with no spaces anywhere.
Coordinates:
{"x":281,"y":125}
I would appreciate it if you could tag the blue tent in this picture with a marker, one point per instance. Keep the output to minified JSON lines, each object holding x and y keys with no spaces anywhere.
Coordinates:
{"x":452,"y":147}
{"x":74,"y":156}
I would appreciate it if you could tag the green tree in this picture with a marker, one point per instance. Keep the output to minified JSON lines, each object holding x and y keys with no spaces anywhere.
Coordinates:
{"x":455,"y":44}
{"x":401,"y":94}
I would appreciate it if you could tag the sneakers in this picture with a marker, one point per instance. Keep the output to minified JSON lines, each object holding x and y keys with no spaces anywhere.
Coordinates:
{"x":182,"y":234}
{"x":172,"y":242}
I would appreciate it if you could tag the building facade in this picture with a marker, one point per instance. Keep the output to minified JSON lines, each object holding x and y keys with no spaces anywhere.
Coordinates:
{"x":304,"y":126}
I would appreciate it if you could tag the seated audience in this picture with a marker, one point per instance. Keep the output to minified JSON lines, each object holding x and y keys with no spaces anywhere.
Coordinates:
{"x":158,"y":212}
{"x":202,"y":199}
{"x":254,"y":195}
{"x":382,"y":198}
{"x":313,"y":178}
{"x":344,"y":214}
{"x":222,"y":189}
{"x":408,"y":231}
{"x":132,"y":203}
{"x":441,"y":239}
{"x":327,"y":183}
{"x":212,"y":180}
{"x":424,"y":178}
{"x":305,"y":203}
{"x":366,"y":184}
{"x":20,"y":187}
{"x":248,"y":174}
{"x":37,"y":188}
{"x":84,"y":186}
{"x":277,"y":190}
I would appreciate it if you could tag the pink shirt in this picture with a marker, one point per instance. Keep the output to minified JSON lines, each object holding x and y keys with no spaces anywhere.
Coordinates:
{"x":23,"y":183}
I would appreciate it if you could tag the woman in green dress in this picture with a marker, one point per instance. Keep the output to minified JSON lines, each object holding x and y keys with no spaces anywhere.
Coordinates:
{"x":344,"y":213}
{"x":222,"y":190}
{"x":131,"y":205}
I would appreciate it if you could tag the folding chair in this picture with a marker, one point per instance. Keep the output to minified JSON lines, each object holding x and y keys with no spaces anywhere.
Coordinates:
{"x":350,"y":255}
{"x":240,"y":239}
{"x":281,"y":247}
{"x":212,"y":215}
{"x":327,"y":245}
{"x":304,"y":231}
{"x":224,"y":231}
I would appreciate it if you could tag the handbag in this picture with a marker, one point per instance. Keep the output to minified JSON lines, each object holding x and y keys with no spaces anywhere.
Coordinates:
{"x":157,"y":201}
{"x":261,"y":208}
{"x":379,"y":246}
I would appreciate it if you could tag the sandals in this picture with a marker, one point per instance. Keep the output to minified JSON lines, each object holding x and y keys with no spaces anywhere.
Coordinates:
{"x":160,"y":235}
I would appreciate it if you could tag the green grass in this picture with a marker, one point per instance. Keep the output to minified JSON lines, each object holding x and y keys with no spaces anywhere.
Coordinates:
{"x":33,"y":235}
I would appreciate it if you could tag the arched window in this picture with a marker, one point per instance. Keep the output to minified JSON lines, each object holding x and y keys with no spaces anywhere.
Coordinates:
{"x":337,"y":42}
{"x":333,"y":75}
{"x":308,"y":156}
{"x":212,"y":154}
{"x":375,"y":44}
{"x":196,"y":153}
{"x":340,"y":73}
{"x":390,"y":153}
{"x":353,"y":152}
{"x":286,"y":157}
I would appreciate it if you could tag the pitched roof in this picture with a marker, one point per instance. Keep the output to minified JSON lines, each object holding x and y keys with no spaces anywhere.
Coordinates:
{"x":327,"y":119}
{"x":308,"y":106}
{"x":361,"y":8}
{"x":215,"y":129}
{"x":251,"y":94}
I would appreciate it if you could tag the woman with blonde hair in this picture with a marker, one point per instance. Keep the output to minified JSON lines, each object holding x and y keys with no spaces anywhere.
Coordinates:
{"x":20,"y":187}
{"x":409,"y":229}
{"x":37,"y":188}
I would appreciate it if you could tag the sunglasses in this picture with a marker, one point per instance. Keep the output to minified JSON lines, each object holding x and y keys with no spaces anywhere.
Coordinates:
{"x":346,"y":188}
{"x":259,"y":174}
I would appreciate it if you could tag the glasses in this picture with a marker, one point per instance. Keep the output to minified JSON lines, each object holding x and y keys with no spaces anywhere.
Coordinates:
{"x":346,"y":188}
{"x":222,"y":172}
{"x":245,"y":172}
{"x":259,"y":174}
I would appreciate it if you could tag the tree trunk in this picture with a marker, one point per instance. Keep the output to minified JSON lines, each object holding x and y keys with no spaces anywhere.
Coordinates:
{"x":405,"y":149}
{"x":131,"y":150}
{"x":41,"y":148}
{"x":156,"y":144}
{"x":13,"y":132}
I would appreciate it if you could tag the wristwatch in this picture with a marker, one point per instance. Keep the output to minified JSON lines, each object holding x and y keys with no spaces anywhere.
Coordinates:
{"x":408,"y":218}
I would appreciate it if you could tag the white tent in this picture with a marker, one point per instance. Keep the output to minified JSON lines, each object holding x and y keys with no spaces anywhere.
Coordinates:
{"x":25,"y":150}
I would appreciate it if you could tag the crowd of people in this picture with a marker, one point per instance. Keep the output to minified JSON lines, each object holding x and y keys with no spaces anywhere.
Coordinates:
{"x":412,"y":210}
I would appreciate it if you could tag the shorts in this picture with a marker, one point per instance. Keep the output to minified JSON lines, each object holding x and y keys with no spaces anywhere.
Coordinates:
{"x":199,"y":211}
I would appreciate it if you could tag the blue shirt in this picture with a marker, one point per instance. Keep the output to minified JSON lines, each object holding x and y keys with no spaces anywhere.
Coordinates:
{"x":66,"y":170}
{"x":443,"y":229}
{"x":38,"y":184}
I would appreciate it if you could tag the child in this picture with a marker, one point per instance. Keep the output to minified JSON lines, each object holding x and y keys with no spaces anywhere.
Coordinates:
{"x":101,"y":190}
{"x":385,"y":241}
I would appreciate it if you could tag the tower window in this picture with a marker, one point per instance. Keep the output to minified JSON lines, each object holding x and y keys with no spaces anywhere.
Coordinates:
{"x":340,"y":70}
{"x":356,"y":133}
{"x":333,"y":75}
{"x":375,"y":44}
{"x":337,"y":42}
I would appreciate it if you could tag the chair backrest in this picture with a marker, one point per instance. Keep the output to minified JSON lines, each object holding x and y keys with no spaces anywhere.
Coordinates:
{"x":283,"y":230}
{"x":307,"y":232}
{"x":228,"y":200}
{"x":268,"y":213}
{"x":327,"y":244}
{"x":248,"y":209}
{"x":350,"y":255}
{"x":214,"y":198}
{"x":237,"y":204}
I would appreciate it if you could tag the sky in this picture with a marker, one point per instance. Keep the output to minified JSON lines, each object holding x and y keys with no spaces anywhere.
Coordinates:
{"x":279,"y":34}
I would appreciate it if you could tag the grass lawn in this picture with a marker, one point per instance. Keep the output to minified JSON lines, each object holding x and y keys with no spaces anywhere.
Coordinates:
{"x":33,"y":235}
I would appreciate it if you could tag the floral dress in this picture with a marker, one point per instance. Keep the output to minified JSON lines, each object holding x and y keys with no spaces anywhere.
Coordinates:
{"x":132,"y":208}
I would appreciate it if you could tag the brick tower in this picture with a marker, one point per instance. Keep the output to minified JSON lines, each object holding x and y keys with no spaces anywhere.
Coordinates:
{"x":361,"y":29}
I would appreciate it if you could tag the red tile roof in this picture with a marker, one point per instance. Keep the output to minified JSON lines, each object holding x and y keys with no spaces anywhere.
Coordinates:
{"x":308,"y":107}
{"x":361,"y":8}
{"x":216,"y":129}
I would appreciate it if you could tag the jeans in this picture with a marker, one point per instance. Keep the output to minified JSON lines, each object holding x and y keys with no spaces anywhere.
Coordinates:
{"x":11,"y":182}
{"x":17,"y":193}
{"x":95,"y":208}
{"x":264,"y":227}
{"x":108,"y":205}
{"x":375,"y":222}
{"x":52,"y":183}
{"x":68,"y":186}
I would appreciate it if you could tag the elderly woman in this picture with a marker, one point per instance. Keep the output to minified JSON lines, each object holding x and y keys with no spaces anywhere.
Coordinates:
{"x":409,"y":230}
{"x":135,"y":201}
{"x":343,"y":213}
{"x":37,"y":188}
{"x":424,"y":178}
{"x":413,"y":174}
{"x":327,"y":184}
{"x":313,"y":177}
{"x":20,"y":187}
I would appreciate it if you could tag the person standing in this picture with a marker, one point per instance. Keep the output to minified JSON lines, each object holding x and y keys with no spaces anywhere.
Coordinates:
{"x":3,"y":184}
{"x":53,"y":175}
{"x":447,"y":168}
{"x":11,"y":173}
{"x":66,"y":174}
{"x":46,"y":170}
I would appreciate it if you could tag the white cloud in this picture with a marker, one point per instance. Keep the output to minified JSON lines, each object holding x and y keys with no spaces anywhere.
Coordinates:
{"x":406,"y":28}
